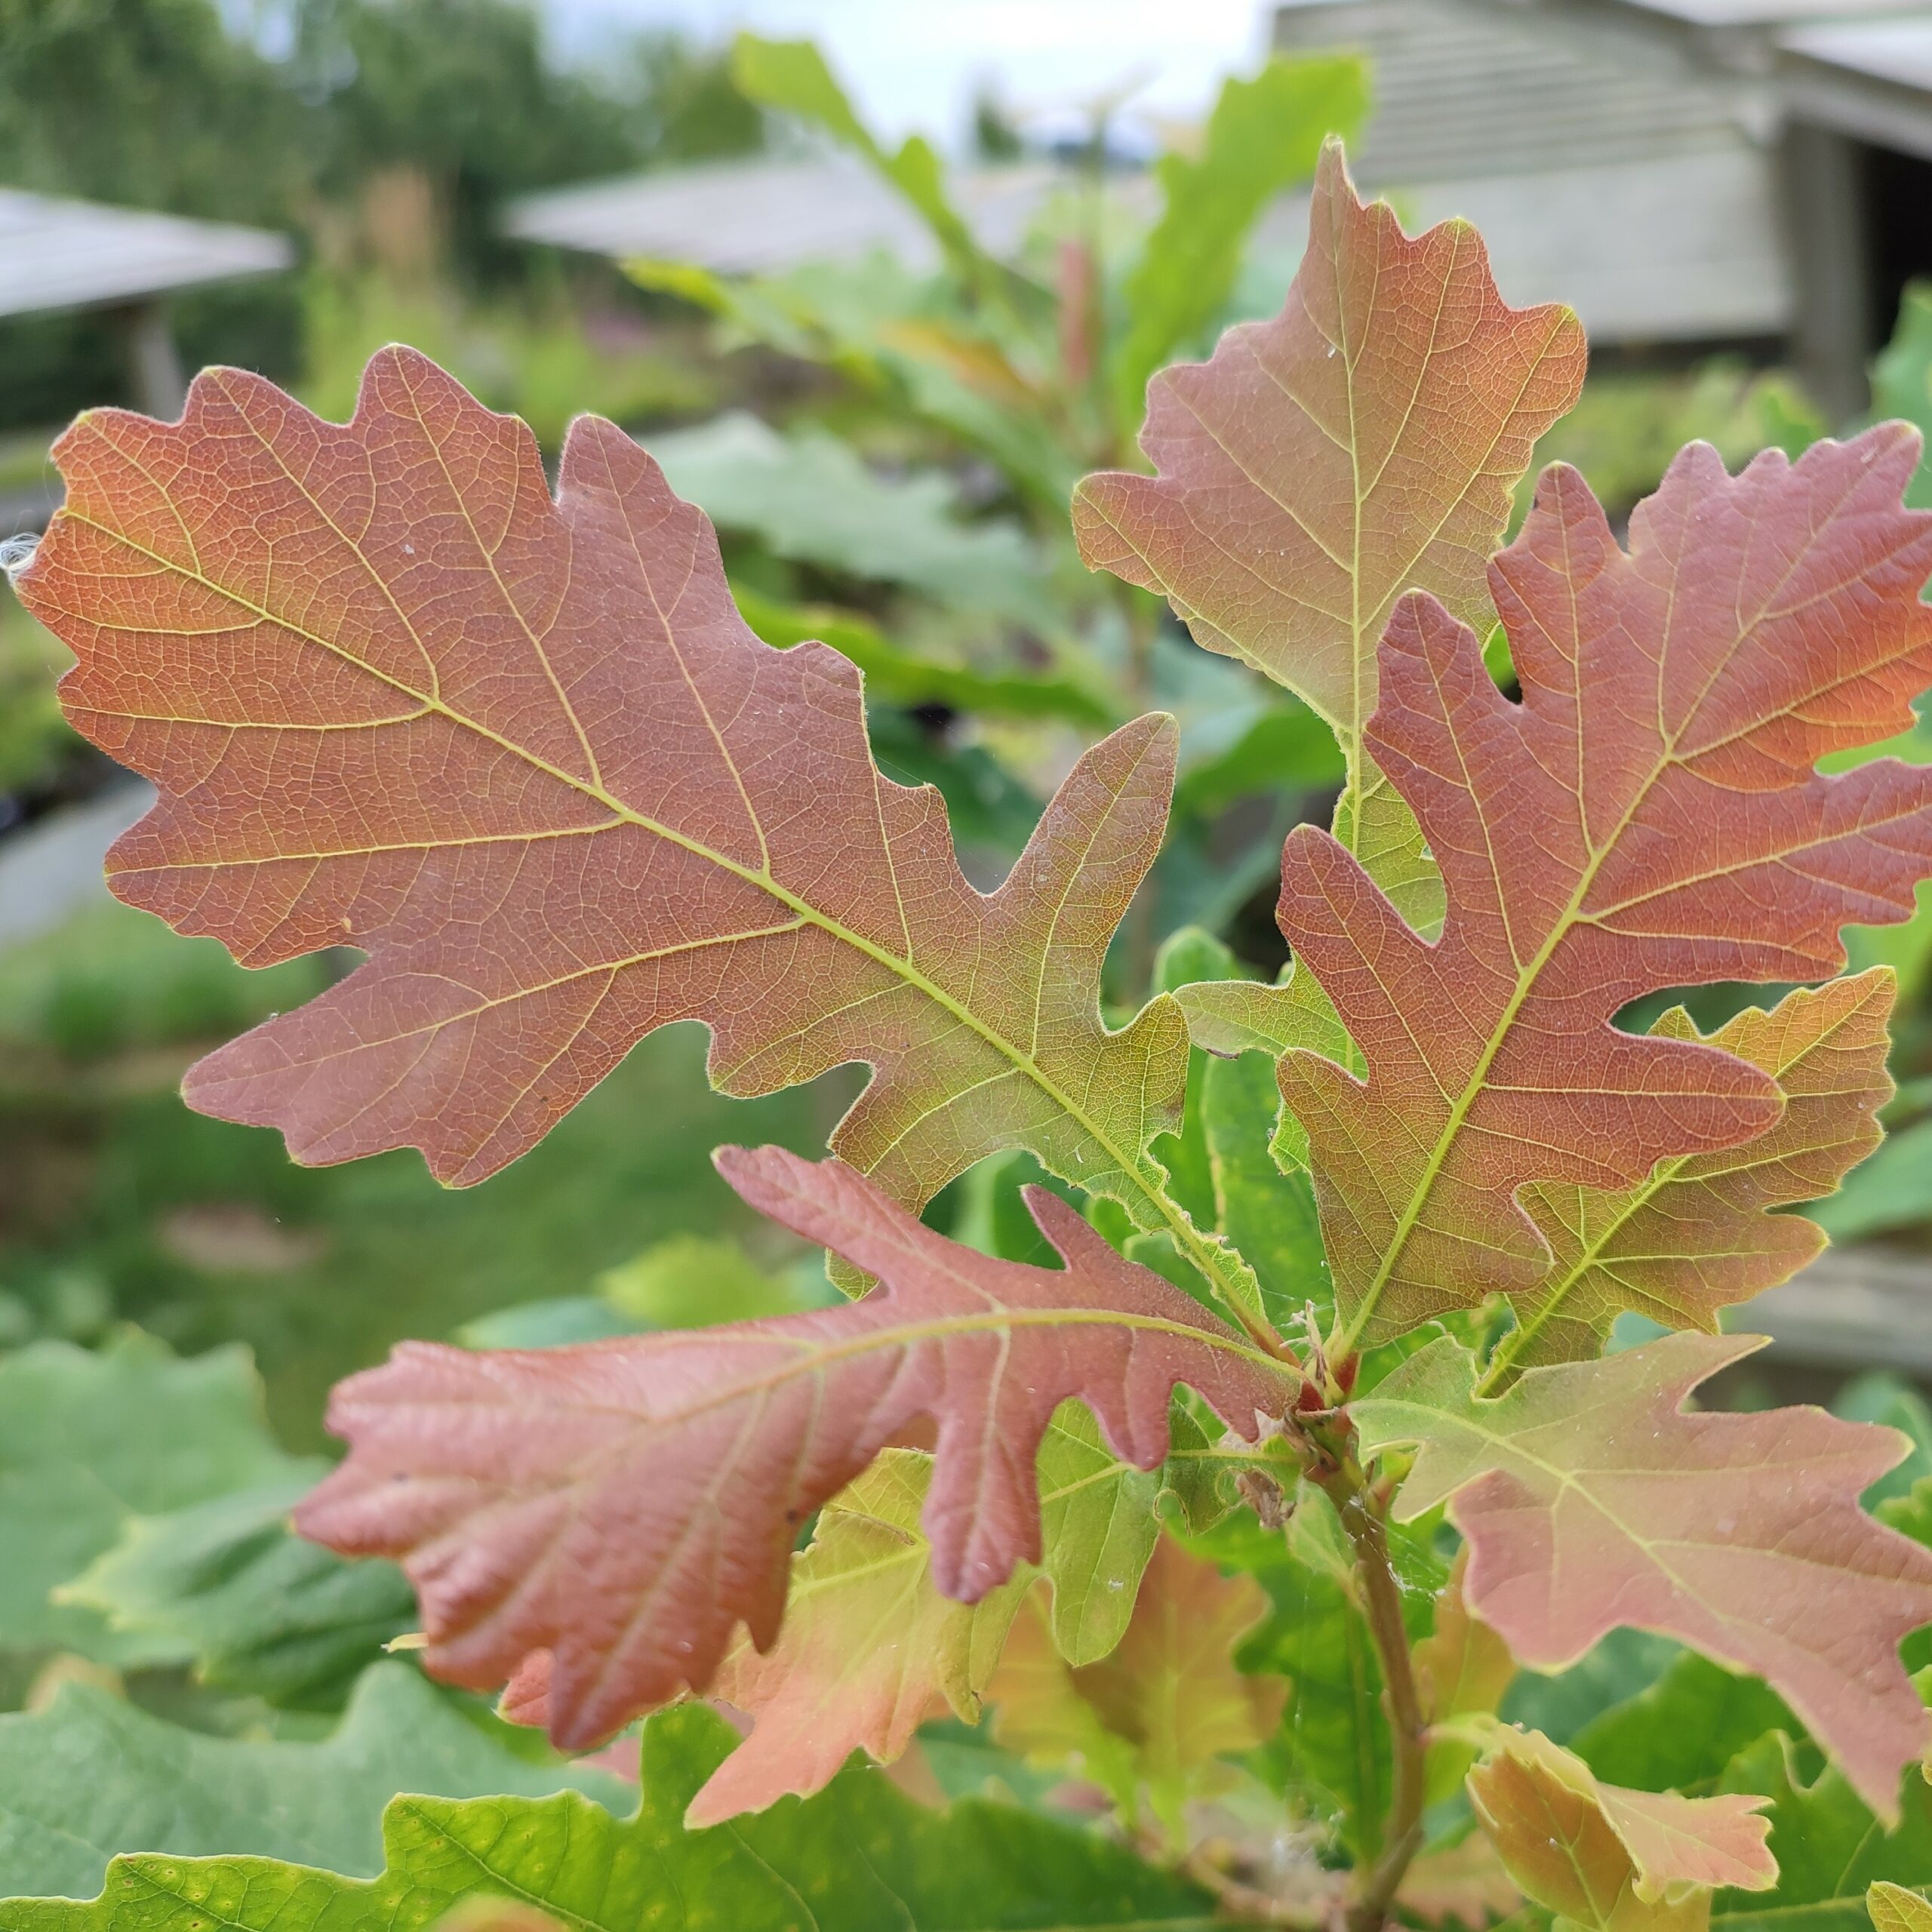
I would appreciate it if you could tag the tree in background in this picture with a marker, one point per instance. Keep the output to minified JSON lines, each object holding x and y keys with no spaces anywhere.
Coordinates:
{"x":380,"y":130}
{"x":149,"y":104}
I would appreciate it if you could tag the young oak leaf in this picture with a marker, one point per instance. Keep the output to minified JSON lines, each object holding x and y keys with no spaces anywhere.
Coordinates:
{"x":1157,"y":1713}
{"x":624,"y":1505}
{"x":1462,"y":1668}
{"x":869,"y":1649}
{"x":527,"y":756}
{"x":1171,"y":1686}
{"x":1697,"y":1233}
{"x":1647,"y":816}
{"x":1892,"y":1908}
{"x":1607,"y":1860}
{"x":1364,"y":442}
{"x":1591,"y":1499}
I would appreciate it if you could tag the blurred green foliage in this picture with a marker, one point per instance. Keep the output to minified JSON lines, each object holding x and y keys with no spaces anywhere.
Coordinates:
{"x":157,"y":103}
{"x":1010,"y":378}
{"x":1901,"y":379}
{"x":33,"y":735}
{"x":1629,"y":422}
{"x":536,"y":358}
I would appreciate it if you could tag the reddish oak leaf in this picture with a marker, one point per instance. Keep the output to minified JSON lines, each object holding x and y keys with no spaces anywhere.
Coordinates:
{"x":1647,"y":816}
{"x":1591,"y":1499}
{"x":528,"y":755}
{"x":1697,"y":1234}
{"x":1607,"y":1859}
{"x":623,"y":1506}
{"x":1364,"y":442}
{"x":868,"y":1651}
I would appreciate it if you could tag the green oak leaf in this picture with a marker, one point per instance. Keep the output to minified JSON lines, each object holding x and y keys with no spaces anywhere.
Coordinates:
{"x":1099,"y":1529}
{"x":1330,"y":1756}
{"x":1563,"y":1704}
{"x":88,"y":1440}
{"x":1895,"y":1909}
{"x":1267,"y":1214}
{"x":859,"y":1856}
{"x":91,"y":1775}
{"x":1682,"y":1732}
{"x":227,"y":1586}
{"x":1828,"y":1846}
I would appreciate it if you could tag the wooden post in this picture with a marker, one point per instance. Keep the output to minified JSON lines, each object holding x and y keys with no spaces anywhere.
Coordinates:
{"x":1830,"y":253}
{"x":153,"y":364}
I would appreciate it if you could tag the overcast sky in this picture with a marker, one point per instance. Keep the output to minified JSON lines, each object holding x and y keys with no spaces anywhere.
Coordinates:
{"x":917,"y":63}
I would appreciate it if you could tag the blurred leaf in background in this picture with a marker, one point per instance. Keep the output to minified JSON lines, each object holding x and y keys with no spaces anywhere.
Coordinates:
{"x":1901,"y":379}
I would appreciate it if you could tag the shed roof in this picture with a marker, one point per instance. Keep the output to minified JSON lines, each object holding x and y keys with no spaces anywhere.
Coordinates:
{"x":756,"y":218}
{"x":1870,"y":79}
{"x":1897,"y":50}
{"x":1766,"y":13}
{"x":63,"y":254}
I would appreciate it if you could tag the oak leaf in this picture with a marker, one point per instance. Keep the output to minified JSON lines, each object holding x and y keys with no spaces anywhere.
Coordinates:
{"x":1465,"y":1881}
{"x":1157,"y":1713}
{"x":1647,"y":816}
{"x":526,"y":754}
{"x":869,"y":1649}
{"x":623,"y":1506}
{"x":1696,"y":1235}
{"x":1364,"y":442}
{"x":858,"y":1854}
{"x":1591,"y":1499}
{"x":1462,"y":1668}
{"x":1607,"y":1859}
{"x":1830,"y":1849}
{"x":1894,"y":1909}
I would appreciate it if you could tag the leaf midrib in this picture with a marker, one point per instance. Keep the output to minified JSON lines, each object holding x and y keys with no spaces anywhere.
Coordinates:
{"x":812,"y":1357}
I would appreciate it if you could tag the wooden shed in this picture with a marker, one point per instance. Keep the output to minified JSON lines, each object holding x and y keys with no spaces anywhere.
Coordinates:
{"x":1683,"y":171}
{"x":56,"y":254}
